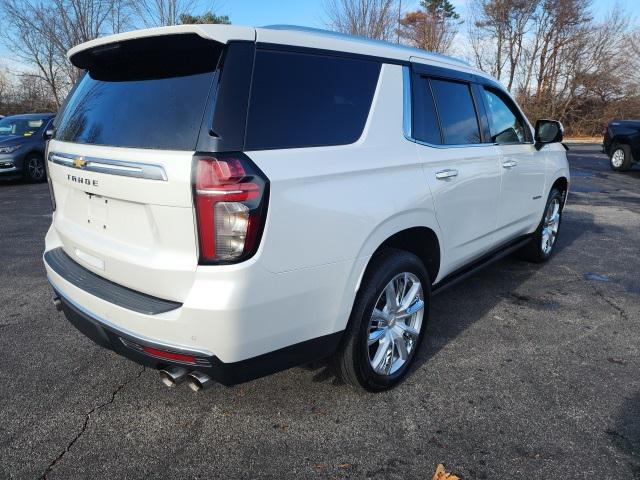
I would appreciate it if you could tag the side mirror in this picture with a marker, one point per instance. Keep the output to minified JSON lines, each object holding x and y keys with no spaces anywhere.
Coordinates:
{"x":548,"y":131}
{"x":48,"y":134}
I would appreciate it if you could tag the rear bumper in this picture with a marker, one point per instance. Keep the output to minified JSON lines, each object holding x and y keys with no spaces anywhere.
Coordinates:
{"x":130,"y":345}
{"x":240,"y":321}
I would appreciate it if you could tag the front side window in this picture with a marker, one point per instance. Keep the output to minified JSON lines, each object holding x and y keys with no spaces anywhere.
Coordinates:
{"x":505,"y":124}
{"x":457,"y":112}
{"x":306,"y":100}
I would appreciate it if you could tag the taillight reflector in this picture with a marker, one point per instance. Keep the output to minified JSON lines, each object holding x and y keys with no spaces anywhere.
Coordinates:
{"x":179,"y":357}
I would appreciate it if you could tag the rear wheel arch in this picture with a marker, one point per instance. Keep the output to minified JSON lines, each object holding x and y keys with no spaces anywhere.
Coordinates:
{"x":421,"y":241}
{"x":402,"y":232}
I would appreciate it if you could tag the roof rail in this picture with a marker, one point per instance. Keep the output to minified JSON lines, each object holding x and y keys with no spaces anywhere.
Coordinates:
{"x":370,"y":41}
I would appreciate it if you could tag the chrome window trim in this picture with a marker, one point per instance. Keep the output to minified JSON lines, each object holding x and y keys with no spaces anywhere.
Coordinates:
{"x":111,"y":167}
{"x":132,"y":337}
{"x":407,"y":102}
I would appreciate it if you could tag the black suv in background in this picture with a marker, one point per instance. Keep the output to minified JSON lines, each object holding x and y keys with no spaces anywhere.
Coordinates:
{"x":22,"y":144}
{"x":622,"y":143}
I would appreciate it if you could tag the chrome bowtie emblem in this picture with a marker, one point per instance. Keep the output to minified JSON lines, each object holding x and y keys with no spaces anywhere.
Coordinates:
{"x":79,"y":162}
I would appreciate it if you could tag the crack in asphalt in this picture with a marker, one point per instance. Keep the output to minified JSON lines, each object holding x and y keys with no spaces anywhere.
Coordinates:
{"x":86,"y":422}
{"x":621,"y":311}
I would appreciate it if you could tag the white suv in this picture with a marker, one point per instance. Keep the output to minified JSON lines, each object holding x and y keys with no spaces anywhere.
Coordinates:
{"x":235,"y":201}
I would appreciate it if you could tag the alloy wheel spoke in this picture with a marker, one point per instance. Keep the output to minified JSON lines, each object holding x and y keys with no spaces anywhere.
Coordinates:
{"x":404,"y":328}
{"x":391,"y":294}
{"x":376,"y":335}
{"x":380,"y":316}
{"x":407,"y":300}
{"x":401,"y":346}
{"x":378,"y":361}
{"x":414,"y":308}
{"x":389,"y":355}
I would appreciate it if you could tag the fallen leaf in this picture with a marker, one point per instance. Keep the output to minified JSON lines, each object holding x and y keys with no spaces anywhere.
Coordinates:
{"x":441,"y":474}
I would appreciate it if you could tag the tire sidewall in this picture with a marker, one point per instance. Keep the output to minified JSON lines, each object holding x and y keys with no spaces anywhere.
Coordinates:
{"x":376,"y":282}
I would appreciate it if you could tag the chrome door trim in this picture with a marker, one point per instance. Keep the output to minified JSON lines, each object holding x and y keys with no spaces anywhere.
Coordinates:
{"x":111,"y":167}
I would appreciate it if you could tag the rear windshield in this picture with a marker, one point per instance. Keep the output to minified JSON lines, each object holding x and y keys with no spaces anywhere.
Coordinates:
{"x":148,"y":93}
{"x":303,"y":100}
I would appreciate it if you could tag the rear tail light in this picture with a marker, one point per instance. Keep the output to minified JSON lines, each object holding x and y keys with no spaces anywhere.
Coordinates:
{"x":230,"y":197}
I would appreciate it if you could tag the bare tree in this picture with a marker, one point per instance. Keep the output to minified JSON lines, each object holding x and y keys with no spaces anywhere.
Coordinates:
{"x":40,"y":34}
{"x":162,"y":13}
{"x":633,"y":52}
{"x":433,"y":27}
{"x":368,"y":18}
{"x":497,"y":35}
{"x":558,"y":60}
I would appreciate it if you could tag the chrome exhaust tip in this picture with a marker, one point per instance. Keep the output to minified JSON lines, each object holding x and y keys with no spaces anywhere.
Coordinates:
{"x":57,"y":303}
{"x":199,"y":381}
{"x":173,"y":376}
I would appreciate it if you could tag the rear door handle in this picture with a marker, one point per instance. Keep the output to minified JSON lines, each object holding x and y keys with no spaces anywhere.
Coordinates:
{"x":448,"y":173}
{"x":509,"y":163}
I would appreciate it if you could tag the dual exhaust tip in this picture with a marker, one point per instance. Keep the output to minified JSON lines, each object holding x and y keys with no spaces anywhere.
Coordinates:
{"x":196,"y":381}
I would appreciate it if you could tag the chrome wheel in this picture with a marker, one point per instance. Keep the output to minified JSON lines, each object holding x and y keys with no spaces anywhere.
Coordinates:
{"x":550,"y":226}
{"x":617,"y":159}
{"x":395,"y":324}
{"x":36,"y":168}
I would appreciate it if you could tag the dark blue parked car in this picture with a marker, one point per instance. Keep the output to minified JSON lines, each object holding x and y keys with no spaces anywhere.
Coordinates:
{"x":22,"y":145}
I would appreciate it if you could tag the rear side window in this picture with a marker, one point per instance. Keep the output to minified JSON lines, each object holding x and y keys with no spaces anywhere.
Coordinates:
{"x":148,"y":93}
{"x":303,"y":100}
{"x":457,"y":112}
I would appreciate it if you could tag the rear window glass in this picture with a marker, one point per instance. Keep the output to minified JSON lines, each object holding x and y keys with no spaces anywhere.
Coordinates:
{"x":457,"y":112}
{"x":303,"y":100}
{"x":148,"y":93}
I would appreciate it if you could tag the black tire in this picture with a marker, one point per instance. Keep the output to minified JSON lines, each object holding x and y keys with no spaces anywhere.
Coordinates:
{"x":352,"y":359}
{"x":623,"y":151}
{"x":33,"y":169}
{"x":534,"y":250}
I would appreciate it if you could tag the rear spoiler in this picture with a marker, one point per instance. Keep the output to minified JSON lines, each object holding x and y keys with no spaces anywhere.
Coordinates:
{"x":80,"y":54}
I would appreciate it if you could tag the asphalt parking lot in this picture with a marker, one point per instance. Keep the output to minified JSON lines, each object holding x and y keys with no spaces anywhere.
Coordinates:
{"x":528,"y":371}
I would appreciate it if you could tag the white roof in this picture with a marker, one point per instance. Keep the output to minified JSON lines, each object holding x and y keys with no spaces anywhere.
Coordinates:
{"x":291,"y":35}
